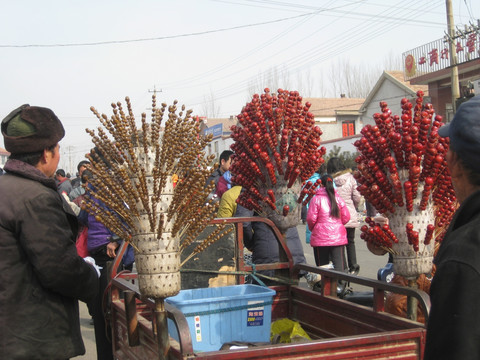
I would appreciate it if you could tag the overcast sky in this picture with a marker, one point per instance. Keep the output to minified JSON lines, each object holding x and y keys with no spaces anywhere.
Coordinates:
{"x":70,"y":55}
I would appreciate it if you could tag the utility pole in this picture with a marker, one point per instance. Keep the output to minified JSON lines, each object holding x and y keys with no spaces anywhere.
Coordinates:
{"x":70,"y":158}
{"x":453,"y":56}
{"x":154,"y":91}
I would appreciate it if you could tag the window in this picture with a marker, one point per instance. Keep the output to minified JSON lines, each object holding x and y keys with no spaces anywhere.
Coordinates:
{"x":348,"y":128}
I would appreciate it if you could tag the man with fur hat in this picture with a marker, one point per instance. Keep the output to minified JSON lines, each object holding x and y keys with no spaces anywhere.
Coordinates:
{"x":453,"y":328}
{"x":41,"y":274}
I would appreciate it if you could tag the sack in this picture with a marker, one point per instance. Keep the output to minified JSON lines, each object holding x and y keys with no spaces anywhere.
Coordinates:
{"x":81,"y":243}
{"x":287,"y":331}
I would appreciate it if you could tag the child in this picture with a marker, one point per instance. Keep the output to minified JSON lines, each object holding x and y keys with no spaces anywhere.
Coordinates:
{"x":326,"y":217}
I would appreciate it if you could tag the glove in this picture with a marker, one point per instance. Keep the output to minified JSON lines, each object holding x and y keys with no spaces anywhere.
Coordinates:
{"x":91,"y":261}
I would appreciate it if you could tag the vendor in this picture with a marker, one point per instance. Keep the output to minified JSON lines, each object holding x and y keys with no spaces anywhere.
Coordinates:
{"x":453,"y":328}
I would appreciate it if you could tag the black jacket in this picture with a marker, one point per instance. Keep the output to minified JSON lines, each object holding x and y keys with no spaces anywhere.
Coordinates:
{"x":259,"y":237}
{"x":215,"y":176}
{"x":41,"y":275}
{"x":453,"y":329}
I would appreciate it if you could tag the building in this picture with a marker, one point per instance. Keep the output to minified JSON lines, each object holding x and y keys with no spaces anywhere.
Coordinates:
{"x":391,"y":88}
{"x":339,"y":119}
{"x":4,"y":154}
{"x":430,"y":65}
{"x":220,"y":129}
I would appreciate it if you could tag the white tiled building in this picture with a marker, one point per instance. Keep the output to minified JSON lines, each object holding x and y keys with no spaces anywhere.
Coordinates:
{"x":4,"y":154}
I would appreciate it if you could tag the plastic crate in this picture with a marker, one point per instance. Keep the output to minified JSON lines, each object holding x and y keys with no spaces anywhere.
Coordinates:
{"x":223,"y":314}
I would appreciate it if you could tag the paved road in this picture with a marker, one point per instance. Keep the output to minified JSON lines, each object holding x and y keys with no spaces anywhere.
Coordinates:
{"x":369,"y":265}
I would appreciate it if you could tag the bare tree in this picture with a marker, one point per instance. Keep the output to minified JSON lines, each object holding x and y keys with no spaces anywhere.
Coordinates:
{"x":320,"y":81}
{"x":273,"y":78}
{"x":393,"y":62}
{"x":343,"y":77}
{"x":210,"y":107}
{"x":305,"y":83}
{"x":355,"y":81}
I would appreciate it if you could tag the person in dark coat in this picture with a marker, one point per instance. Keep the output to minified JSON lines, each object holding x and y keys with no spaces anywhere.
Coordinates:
{"x":259,"y":238}
{"x":77,"y":182}
{"x":63,"y":183}
{"x":41,"y":276}
{"x":453,"y":328}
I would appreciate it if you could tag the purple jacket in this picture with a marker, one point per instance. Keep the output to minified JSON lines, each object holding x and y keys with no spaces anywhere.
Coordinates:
{"x":98,"y":234}
{"x":327,"y":230}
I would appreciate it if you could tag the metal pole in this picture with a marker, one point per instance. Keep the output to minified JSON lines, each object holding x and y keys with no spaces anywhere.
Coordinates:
{"x":453,"y":55}
{"x":162,"y":329}
{"x":412,"y":302}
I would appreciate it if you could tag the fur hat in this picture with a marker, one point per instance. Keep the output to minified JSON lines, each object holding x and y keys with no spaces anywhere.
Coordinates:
{"x":30,"y":129}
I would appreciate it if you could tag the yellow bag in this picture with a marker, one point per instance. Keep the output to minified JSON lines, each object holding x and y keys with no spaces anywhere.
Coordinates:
{"x":287,"y":331}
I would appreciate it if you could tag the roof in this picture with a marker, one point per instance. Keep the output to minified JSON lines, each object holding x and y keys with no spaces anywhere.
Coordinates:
{"x":397,"y":78}
{"x":225,"y":121}
{"x":330,"y":107}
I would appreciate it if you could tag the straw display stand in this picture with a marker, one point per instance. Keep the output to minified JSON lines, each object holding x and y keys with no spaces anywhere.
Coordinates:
{"x":133,"y":177}
{"x":402,"y":172}
{"x":277,"y":148}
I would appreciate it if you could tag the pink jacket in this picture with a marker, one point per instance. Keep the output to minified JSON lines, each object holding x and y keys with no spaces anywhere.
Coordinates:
{"x":327,"y":230}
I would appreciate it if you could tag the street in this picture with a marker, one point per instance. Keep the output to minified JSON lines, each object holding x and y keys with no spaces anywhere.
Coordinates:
{"x":369,"y":265}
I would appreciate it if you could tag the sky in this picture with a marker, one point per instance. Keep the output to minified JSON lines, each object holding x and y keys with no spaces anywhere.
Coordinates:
{"x":207,"y":54}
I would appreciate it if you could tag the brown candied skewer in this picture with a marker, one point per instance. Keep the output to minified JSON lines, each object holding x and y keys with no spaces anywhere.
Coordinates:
{"x":135,"y":189}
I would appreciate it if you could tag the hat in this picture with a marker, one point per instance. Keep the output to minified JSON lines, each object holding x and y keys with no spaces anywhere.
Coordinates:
{"x":464,"y":132}
{"x":30,"y":129}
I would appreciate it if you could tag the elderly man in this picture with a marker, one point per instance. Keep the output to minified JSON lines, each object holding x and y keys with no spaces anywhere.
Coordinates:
{"x":41,"y":275}
{"x":453,"y":330}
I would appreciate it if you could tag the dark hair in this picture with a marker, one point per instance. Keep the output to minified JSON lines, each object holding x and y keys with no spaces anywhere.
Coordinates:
{"x":60,"y":172}
{"x":473,"y":175}
{"x":327,"y":183}
{"x":322,"y":169}
{"x":335,"y":164}
{"x":225,"y":155}
{"x":86,"y":175}
{"x":82,"y":163}
{"x":31,"y":158}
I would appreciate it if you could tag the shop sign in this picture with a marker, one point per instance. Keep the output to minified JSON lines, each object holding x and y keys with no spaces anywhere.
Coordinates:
{"x":215,"y":130}
{"x":435,"y":56}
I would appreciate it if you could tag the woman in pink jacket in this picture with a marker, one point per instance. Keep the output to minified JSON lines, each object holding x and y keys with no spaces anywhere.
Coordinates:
{"x":327,"y":215}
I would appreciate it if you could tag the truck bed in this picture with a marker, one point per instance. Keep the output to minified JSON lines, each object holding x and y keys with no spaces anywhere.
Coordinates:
{"x":339,"y":329}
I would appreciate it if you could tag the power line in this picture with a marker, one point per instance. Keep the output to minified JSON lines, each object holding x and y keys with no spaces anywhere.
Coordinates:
{"x":327,"y":50}
{"x":110,"y":42}
{"x":160,"y":37}
{"x":362,"y":35}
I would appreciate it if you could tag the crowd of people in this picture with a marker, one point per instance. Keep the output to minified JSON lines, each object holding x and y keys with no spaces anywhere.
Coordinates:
{"x":43,"y":272}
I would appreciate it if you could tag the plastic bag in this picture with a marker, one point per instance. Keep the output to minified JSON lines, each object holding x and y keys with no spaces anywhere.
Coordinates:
{"x":287,"y":331}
